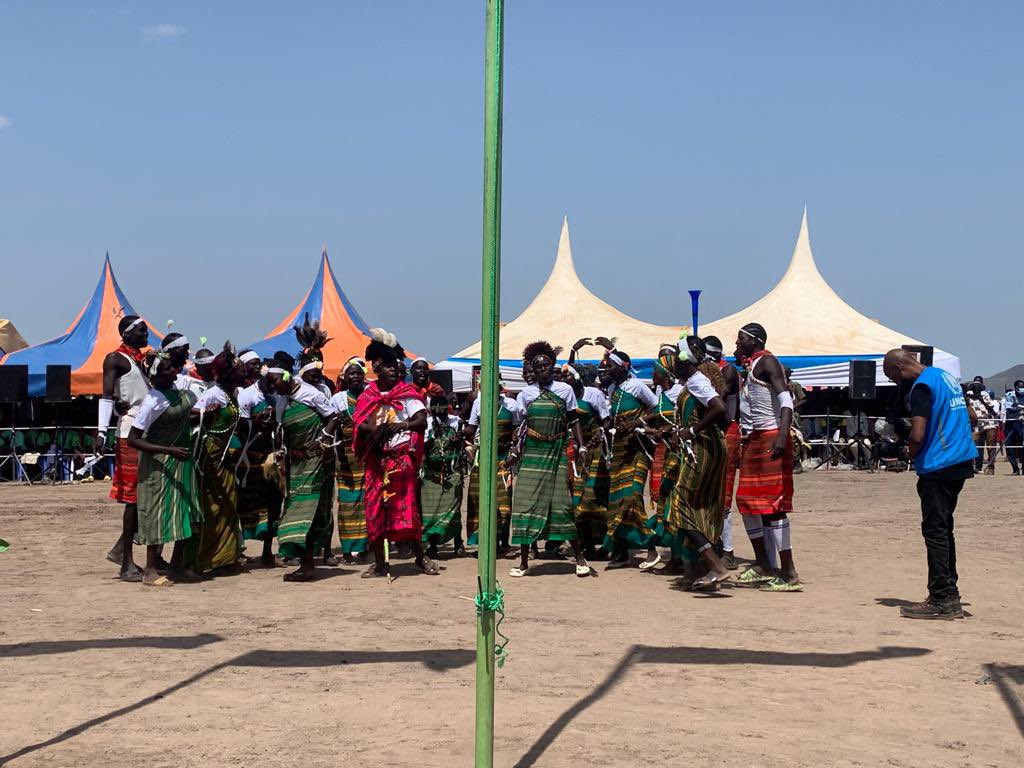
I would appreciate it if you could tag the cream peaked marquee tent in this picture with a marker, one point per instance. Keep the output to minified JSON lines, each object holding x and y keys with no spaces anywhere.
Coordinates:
{"x":561,"y":313}
{"x":813,"y":330}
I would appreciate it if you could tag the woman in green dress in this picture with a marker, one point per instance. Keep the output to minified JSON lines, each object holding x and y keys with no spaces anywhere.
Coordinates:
{"x":697,"y":504}
{"x":308,"y":422}
{"x":349,"y":472}
{"x":508,"y":419}
{"x":662,"y":425}
{"x":169,"y":511}
{"x":542,"y":498}
{"x":630,"y":450}
{"x":590,"y":484}
{"x":220,"y":542}
{"x":441,"y":479}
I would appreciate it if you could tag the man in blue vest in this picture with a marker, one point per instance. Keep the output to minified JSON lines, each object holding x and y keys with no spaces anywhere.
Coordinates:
{"x":944,"y":453}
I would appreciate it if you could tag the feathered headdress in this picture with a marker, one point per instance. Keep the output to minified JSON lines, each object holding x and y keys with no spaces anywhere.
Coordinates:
{"x":311,"y":338}
{"x":537,"y":348}
{"x":383,"y":346}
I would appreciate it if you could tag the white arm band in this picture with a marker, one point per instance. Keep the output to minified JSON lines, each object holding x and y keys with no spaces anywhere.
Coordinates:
{"x":786,"y":400}
{"x":106,"y":413}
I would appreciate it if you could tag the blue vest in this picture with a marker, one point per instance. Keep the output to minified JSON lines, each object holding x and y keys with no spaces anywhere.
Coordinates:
{"x":947,"y":440}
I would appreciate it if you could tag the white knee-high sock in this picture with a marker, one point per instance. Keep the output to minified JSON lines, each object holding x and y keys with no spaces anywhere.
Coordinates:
{"x":771,"y":545}
{"x":781,"y":534}
{"x":727,"y":532}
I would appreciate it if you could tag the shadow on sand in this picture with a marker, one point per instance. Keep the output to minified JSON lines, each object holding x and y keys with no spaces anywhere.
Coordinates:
{"x":438,"y":660}
{"x":643,"y":654}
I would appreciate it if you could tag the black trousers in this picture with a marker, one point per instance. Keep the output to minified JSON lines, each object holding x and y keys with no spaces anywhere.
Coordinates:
{"x":1014,"y":436}
{"x":938,"y":502}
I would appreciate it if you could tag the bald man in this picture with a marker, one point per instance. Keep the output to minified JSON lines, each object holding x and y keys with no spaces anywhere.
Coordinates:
{"x":943,"y":451}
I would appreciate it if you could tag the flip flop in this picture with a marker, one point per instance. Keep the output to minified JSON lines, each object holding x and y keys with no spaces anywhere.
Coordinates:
{"x":709,"y":581}
{"x":779,"y":584}
{"x":184,"y":578}
{"x":298,"y":577}
{"x":373,"y":572}
{"x":132,"y":577}
{"x":646,"y":565}
{"x":159,"y":581}
{"x":616,"y":564}
{"x":518,"y":572}
{"x":583,"y":570}
{"x":751,"y":578}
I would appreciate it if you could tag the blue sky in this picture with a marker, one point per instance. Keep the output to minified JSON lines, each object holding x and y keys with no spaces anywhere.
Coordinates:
{"x":213,"y":147}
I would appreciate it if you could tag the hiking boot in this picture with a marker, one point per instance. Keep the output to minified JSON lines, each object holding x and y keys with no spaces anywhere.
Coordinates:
{"x":929,"y":609}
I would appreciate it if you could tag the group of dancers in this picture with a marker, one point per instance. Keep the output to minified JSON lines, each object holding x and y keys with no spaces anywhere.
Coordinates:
{"x":219,"y":449}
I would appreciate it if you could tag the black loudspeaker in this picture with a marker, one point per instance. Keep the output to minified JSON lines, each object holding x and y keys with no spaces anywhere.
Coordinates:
{"x":862,"y":379}
{"x":444,"y":379}
{"x":58,"y":383}
{"x":13,"y":383}
{"x":924,"y":354}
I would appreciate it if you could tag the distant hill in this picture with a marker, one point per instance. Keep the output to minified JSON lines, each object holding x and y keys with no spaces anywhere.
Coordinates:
{"x":998,"y":382}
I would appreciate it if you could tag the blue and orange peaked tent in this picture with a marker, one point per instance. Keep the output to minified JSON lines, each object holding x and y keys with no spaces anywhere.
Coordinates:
{"x":90,"y":337}
{"x":327,"y":303}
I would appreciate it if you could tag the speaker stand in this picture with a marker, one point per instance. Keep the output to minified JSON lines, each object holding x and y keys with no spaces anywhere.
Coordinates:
{"x":11,"y":457}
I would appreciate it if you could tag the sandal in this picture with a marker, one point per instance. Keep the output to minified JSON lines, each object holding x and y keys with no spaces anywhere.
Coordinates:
{"x":615,"y":564}
{"x":778,"y":584}
{"x":300,"y":577}
{"x":647,"y":565}
{"x":159,"y":581}
{"x":373,"y":572}
{"x":709,"y":581}
{"x":428,"y":567}
{"x":518,"y":572}
{"x":584,"y":570}
{"x":751,"y":578}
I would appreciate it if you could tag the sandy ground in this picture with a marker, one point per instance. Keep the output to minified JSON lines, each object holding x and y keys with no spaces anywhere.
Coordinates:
{"x":617,"y":670}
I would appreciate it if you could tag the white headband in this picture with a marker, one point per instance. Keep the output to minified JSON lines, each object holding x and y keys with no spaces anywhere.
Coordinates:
{"x":245,"y":357}
{"x":286,"y":375}
{"x":616,"y":359}
{"x":754,"y":336}
{"x":420,"y":360}
{"x":685,"y":353}
{"x":132,"y":324}
{"x":316,"y":364}
{"x":181,"y":341}
{"x":204,"y":360}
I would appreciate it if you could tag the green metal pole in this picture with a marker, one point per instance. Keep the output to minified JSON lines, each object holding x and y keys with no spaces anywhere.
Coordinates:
{"x":485,"y":659}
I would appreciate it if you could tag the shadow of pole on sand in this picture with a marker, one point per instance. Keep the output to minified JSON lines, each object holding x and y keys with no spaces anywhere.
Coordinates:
{"x":1005,"y":677}
{"x":438,"y":660}
{"x":45,"y":648}
{"x":643,"y":654}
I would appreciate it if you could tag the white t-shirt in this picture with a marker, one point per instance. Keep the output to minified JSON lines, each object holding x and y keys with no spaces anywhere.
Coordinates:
{"x":410,"y":407}
{"x":532,"y":391}
{"x":700,"y":386}
{"x":597,"y":399}
{"x":673,"y":392}
{"x":251,"y":396}
{"x":310,"y":396}
{"x":185,"y":383}
{"x":152,"y":406}
{"x":639,"y":390}
{"x":453,"y":422}
{"x":510,"y":405}
{"x":340,"y":402}
{"x":211,"y":399}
